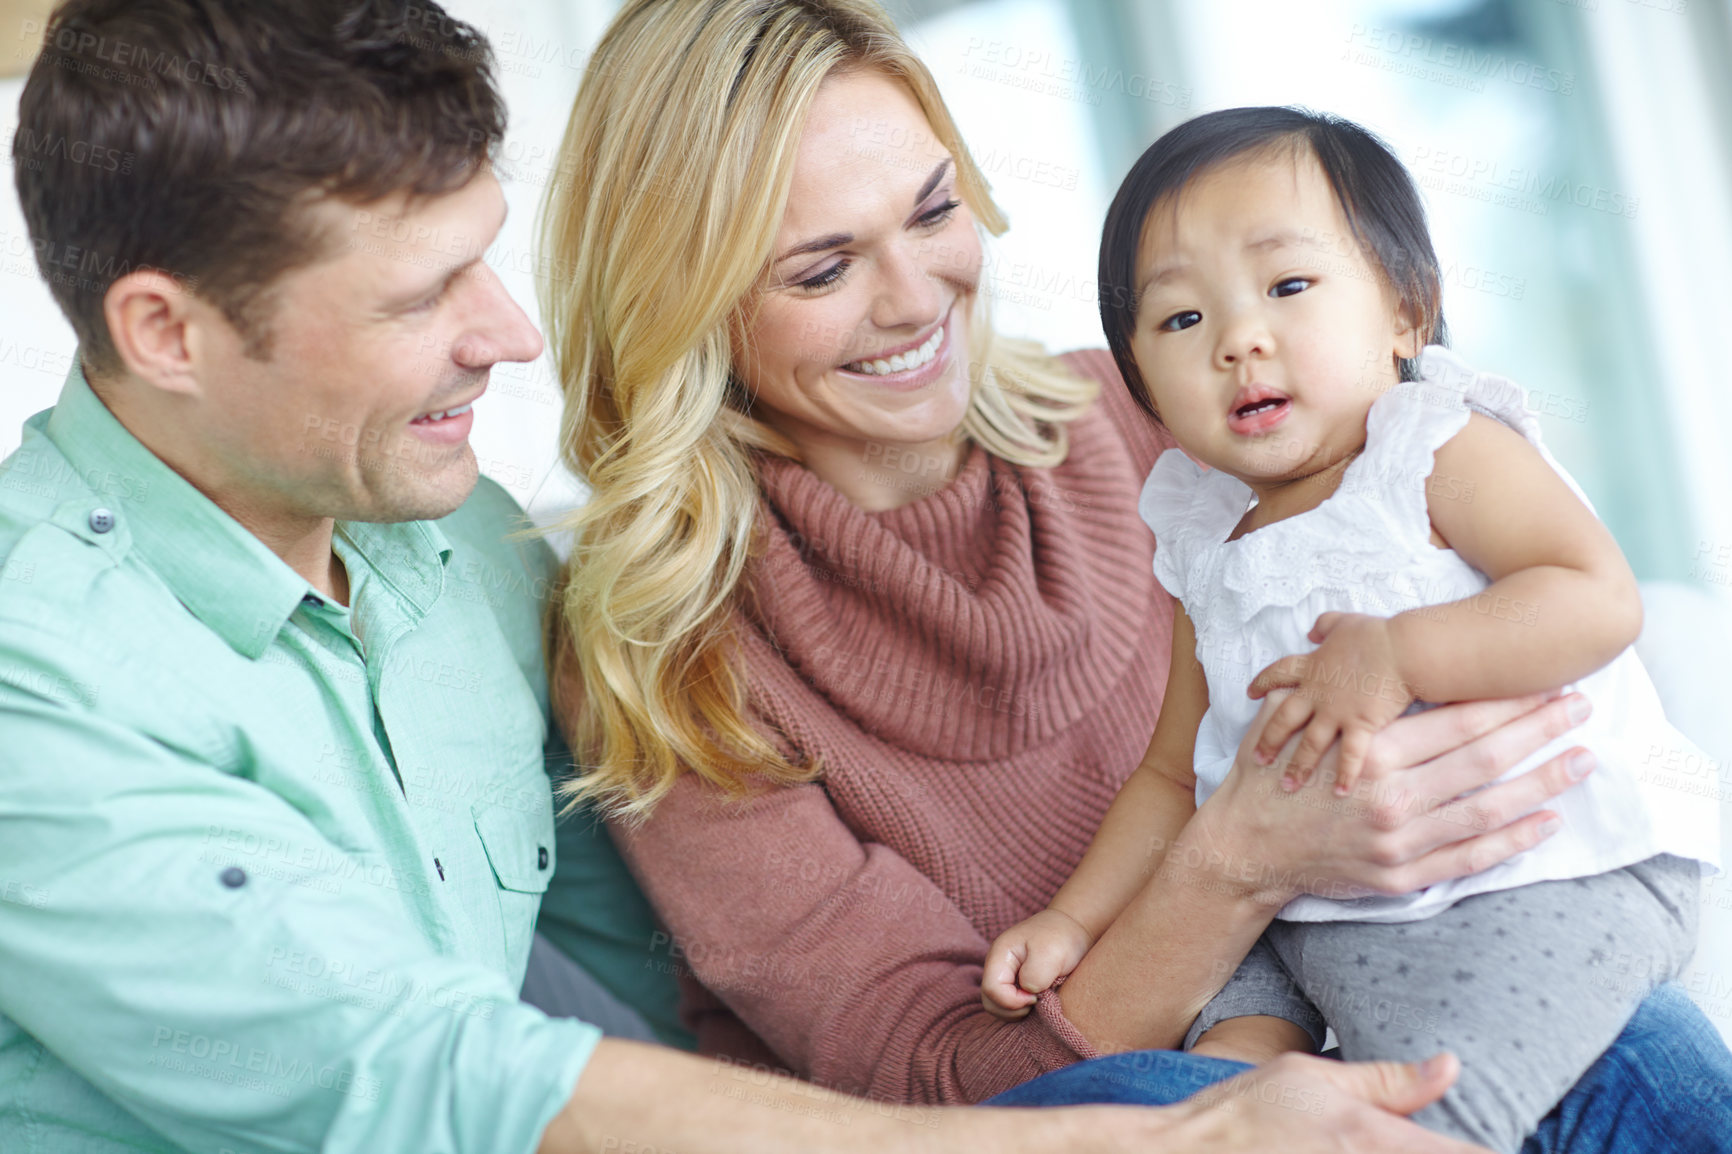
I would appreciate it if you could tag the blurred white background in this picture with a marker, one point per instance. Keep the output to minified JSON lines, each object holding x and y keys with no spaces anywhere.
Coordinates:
{"x":1576,"y":157}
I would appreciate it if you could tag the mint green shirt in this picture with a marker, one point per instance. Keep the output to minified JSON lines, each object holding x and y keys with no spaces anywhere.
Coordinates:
{"x":269,"y":866}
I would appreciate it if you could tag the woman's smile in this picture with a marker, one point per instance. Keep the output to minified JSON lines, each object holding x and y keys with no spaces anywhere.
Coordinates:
{"x":909,"y":365}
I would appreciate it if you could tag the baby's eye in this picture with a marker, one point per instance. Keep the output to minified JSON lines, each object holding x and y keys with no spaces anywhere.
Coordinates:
{"x":1179,"y":321}
{"x":1286,"y":288}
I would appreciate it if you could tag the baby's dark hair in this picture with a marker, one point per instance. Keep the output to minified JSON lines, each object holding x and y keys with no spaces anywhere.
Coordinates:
{"x":1377,"y":196}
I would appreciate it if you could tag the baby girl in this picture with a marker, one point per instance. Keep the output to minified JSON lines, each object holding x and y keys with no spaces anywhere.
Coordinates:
{"x":1360,"y":520}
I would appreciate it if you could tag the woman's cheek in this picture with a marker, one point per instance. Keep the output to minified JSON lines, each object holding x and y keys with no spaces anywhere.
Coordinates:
{"x":956,"y":253}
{"x":831,"y":330}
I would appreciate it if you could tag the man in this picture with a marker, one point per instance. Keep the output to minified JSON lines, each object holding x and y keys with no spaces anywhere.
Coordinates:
{"x":275,"y":818}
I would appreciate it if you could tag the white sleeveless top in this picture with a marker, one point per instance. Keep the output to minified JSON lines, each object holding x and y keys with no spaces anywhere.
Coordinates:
{"x":1367,"y":549}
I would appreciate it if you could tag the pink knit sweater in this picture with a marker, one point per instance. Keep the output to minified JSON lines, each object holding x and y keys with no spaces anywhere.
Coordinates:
{"x":978,"y":672}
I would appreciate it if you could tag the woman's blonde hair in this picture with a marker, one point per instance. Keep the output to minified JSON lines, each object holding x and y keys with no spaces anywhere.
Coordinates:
{"x":673,"y":177}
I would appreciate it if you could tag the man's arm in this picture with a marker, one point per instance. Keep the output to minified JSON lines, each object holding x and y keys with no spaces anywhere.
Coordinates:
{"x":641,"y":1098}
{"x":205,"y":958}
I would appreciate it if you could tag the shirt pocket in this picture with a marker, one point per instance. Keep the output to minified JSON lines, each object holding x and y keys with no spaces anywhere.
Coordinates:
{"x":516,"y":831}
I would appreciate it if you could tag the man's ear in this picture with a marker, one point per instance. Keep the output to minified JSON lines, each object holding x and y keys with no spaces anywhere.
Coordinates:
{"x":155,"y":324}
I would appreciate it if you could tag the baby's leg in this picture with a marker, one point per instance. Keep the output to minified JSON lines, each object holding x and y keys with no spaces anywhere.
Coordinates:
{"x":1261,"y":985}
{"x":1526,"y":986}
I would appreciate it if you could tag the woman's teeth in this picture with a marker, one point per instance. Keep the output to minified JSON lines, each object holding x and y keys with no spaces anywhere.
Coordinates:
{"x":431,"y":417}
{"x":902,"y":362}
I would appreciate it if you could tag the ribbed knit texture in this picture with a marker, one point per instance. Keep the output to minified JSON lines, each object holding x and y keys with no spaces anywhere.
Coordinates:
{"x":977,"y":673}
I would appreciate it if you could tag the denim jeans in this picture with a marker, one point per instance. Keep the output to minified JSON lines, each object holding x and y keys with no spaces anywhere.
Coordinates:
{"x":1664,"y":1086}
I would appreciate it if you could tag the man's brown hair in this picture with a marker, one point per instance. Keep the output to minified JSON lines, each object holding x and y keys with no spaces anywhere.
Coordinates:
{"x":187,"y":136}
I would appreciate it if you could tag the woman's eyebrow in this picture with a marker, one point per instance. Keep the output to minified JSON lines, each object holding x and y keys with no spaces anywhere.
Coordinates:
{"x":931,"y":181}
{"x":834,"y":240}
{"x":838,"y":239}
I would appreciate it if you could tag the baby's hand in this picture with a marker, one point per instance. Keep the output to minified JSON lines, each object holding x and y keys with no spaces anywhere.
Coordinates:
{"x":1028,"y":958}
{"x":1350,"y":686}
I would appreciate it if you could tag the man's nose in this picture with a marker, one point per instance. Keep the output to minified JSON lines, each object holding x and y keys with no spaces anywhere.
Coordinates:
{"x":497,"y":329}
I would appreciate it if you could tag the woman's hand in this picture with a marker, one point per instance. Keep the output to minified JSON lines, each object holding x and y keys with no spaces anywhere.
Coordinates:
{"x":1410,"y":825}
{"x":1349,"y":687}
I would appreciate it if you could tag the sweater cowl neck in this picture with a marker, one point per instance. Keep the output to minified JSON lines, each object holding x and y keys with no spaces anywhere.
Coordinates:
{"x":975,"y":622}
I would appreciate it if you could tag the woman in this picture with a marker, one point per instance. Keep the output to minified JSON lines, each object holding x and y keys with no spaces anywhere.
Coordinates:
{"x":860,"y":634}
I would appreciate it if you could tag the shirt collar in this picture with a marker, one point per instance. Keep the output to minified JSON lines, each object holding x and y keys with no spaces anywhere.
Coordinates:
{"x":401,"y":554}
{"x":225,"y":576}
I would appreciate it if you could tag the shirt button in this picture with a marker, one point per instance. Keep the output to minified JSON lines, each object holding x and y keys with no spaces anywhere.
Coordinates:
{"x":541,"y":857}
{"x":101,"y":520}
{"x":234,"y":877}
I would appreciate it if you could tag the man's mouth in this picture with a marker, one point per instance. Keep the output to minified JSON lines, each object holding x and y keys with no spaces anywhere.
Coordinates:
{"x":442,"y":415}
{"x":906,"y":361}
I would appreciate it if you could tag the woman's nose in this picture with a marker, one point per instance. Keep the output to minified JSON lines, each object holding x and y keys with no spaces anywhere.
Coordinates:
{"x":908,"y":292}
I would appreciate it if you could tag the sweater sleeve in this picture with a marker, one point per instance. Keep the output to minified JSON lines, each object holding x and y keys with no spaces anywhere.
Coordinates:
{"x":851,"y":964}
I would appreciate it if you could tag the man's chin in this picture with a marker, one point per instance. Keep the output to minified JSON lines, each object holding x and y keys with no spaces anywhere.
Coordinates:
{"x":419,"y":496}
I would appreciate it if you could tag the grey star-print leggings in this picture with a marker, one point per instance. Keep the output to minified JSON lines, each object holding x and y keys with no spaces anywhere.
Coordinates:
{"x":1526,"y":986}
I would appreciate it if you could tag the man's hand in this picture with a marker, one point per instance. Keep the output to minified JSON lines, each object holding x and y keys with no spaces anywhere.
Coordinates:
{"x":1349,"y":687}
{"x":1028,"y":958}
{"x":1298,"y":1104}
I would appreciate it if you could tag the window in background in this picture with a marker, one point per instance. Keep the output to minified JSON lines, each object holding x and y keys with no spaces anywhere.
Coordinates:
{"x":1011,"y":72}
{"x":1494,"y":106}
{"x":1525,"y":123}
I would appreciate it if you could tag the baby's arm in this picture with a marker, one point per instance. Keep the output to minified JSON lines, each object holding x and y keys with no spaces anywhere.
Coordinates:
{"x":1151,"y":808}
{"x":1562,"y":602}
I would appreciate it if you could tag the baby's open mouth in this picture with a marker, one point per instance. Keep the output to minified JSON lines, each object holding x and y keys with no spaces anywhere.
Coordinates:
{"x":1257,"y":409}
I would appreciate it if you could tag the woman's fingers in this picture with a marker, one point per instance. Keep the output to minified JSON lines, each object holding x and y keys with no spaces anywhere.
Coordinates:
{"x":1461,"y":858}
{"x":1498,"y":805}
{"x":1466,"y":745}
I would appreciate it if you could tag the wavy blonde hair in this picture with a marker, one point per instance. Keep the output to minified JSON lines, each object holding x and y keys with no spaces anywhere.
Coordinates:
{"x":674,"y":174}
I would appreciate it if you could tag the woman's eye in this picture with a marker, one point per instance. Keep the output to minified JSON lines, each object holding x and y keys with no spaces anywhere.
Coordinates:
{"x":1179,"y":321}
{"x":824,"y":279}
{"x":1286,"y":288}
{"x":940,"y":214}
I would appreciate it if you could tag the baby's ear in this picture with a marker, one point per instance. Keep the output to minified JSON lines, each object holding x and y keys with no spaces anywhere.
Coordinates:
{"x":1408,"y":338}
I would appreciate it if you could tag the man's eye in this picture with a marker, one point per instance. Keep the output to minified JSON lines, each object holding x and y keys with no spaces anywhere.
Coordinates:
{"x":1286,"y":288}
{"x":1179,"y":321}
{"x":425,"y":304}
